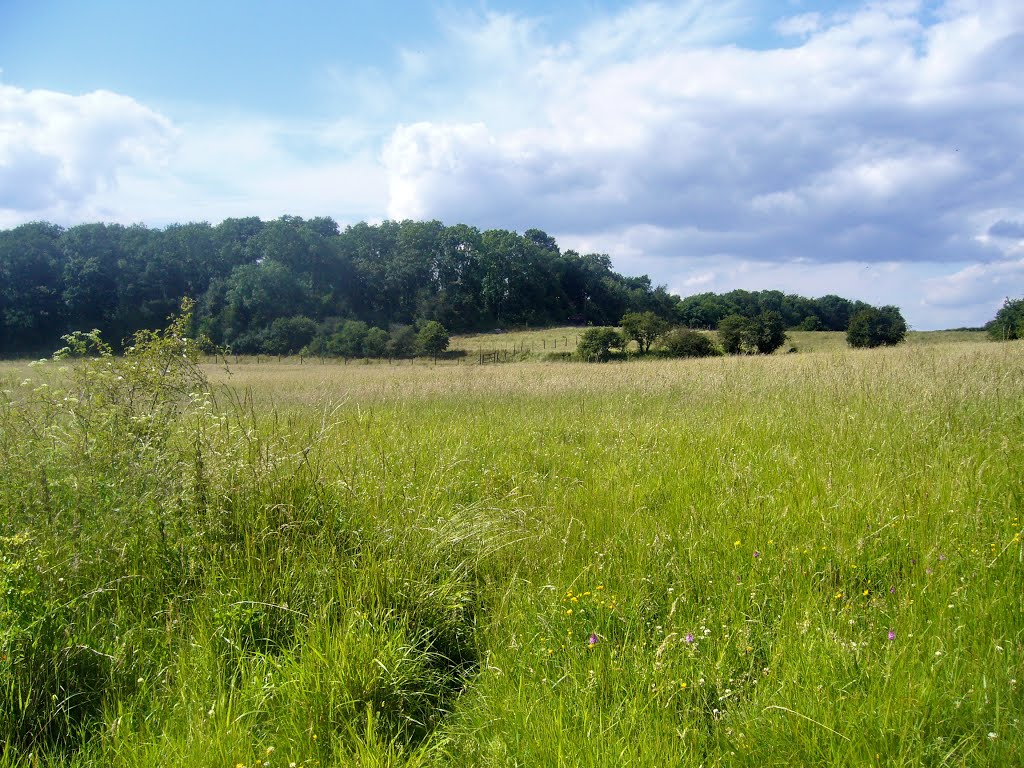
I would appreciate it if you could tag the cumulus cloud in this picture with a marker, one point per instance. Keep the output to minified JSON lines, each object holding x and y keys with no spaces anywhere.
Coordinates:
{"x":105,"y":156}
{"x":878,"y":137}
{"x":977,"y":290}
{"x":57,"y":150}
{"x":876,"y":151}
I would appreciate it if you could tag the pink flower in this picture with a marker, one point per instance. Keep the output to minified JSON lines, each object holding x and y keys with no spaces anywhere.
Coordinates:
{"x":592,"y":640}
{"x":689,"y":637}
{"x":892,"y":634}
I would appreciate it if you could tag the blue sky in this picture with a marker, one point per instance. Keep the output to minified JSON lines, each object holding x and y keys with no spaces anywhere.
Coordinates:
{"x":870,"y":149}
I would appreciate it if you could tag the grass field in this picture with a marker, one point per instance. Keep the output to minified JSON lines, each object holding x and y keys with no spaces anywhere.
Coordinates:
{"x":809,"y":559}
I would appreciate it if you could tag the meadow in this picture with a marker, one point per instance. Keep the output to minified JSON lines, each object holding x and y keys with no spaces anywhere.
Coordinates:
{"x":801,"y":559}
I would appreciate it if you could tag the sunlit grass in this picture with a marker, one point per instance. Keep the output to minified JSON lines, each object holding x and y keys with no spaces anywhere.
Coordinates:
{"x":806,"y":559}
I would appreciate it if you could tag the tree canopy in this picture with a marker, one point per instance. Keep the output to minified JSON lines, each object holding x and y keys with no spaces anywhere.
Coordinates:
{"x":259,"y":285}
{"x":1008,"y":324}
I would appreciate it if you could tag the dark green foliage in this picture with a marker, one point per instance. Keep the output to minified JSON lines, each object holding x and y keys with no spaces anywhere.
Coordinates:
{"x":1008,"y":323}
{"x":876,"y":327}
{"x":288,"y":335}
{"x":683,"y":342}
{"x":596,"y":344}
{"x":246,"y":274}
{"x":375,"y":343}
{"x":348,"y":341}
{"x":810,"y":323}
{"x":731,"y":331}
{"x":432,"y":339}
{"x":828,"y":313}
{"x":760,"y":335}
{"x":644,"y":328}
{"x":402,"y":342}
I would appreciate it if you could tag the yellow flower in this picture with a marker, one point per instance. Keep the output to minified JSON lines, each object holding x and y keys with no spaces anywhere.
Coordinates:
{"x":736,"y":543}
{"x":867,"y":592}
{"x":568,"y":612}
{"x":600,"y":587}
{"x":683,"y":686}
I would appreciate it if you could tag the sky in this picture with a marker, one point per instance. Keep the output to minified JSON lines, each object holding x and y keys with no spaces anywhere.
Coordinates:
{"x":870,"y":149}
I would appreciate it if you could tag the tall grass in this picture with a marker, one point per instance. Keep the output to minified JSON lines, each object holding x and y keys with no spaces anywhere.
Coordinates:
{"x":803,"y":559}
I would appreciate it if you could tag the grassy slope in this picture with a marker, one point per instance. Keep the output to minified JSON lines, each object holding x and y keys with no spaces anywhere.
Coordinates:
{"x":740,"y":536}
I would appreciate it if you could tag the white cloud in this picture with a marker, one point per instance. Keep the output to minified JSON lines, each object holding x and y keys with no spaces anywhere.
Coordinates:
{"x":886,"y":135}
{"x":977,"y":286}
{"x":57,"y":150}
{"x":102,"y":156}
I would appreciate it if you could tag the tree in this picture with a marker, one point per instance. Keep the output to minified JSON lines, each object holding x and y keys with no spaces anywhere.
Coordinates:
{"x":348,"y":341}
{"x":752,"y":335}
{"x":644,"y":328}
{"x":402,"y":341}
{"x":596,"y":344}
{"x":682,"y":342}
{"x":875,"y":327}
{"x":1008,"y":323}
{"x":287,"y":335}
{"x":768,"y":332}
{"x":731,"y":331}
{"x":375,"y":344}
{"x":432,"y":339}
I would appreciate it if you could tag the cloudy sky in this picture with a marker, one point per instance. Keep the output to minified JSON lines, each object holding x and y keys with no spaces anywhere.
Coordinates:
{"x":869,"y":149}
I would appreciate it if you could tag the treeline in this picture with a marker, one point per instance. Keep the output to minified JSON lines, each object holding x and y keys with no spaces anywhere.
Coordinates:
{"x":281,"y":285}
{"x":828,"y":313}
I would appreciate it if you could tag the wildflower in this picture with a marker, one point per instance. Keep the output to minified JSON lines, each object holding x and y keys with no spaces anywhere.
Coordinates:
{"x":993,"y":735}
{"x":736,"y":543}
{"x":592,"y":640}
{"x":892,"y":590}
{"x":892,"y":634}
{"x":867,"y":592}
{"x":756,"y":554}
{"x":689,"y":637}
{"x":683,"y":686}
{"x":568,"y":612}
{"x":942,"y":557}
{"x":600,"y":587}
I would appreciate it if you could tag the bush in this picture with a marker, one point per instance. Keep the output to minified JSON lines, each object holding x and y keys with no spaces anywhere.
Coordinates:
{"x":1008,"y":324}
{"x":287,"y":335}
{"x":596,"y":344}
{"x":432,"y":339}
{"x":876,"y":327}
{"x":376,"y":343}
{"x":644,"y":328}
{"x":348,"y":341}
{"x":402,"y":342}
{"x":682,"y":342}
{"x":752,"y":335}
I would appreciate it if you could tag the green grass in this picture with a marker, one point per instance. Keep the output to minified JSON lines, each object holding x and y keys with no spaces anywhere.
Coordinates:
{"x":404,"y":565}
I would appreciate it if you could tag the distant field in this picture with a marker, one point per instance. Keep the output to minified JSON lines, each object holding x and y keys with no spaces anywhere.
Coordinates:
{"x":519,"y":346}
{"x":802,"y":559}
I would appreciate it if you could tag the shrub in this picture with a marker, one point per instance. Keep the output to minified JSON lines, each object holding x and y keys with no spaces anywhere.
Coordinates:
{"x":682,"y":342}
{"x":402,"y":342}
{"x":376,"y":343}
{"x":287,"y":335}
{"x":595,"y":344}
{"x":1008,"y":324}
{"x":644,"y":328}
{"x":432,"y":339}
{"x":876,"y":327}
{"x":752,"y":335}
